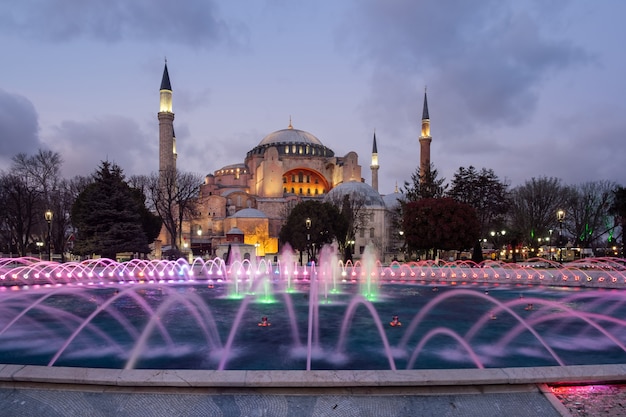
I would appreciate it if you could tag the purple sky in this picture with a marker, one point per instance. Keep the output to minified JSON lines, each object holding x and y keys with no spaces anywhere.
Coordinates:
{"x":527,"y":88}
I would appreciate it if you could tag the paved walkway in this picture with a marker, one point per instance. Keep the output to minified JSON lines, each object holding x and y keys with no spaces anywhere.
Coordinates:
{"x":526,"y":400}
{"x":62,"y":391}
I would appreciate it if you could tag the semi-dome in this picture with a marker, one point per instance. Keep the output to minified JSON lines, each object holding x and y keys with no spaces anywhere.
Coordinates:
{"x":356,"y":190}
{"x":393,"y":200}
{"x":250,"y":213}
{"x":290,"y":135}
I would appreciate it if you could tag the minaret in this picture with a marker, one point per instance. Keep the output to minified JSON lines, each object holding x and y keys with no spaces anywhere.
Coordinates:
{"x":425,"y":140}
{"x":374,"y":167}
{"x":167,"y":143}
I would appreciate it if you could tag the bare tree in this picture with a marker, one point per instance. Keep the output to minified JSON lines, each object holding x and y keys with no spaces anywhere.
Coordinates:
{"x":41,"y":171}
{"x":534,"y":205}
{"x":354,"y":210}
{"x":18,"y":205}
{"x":173,"y":195}
{"x":588,"y":217}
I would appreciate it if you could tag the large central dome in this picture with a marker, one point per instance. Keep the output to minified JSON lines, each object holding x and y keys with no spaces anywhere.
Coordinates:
{"x":290,"y":135}
{"x":294,"y":142}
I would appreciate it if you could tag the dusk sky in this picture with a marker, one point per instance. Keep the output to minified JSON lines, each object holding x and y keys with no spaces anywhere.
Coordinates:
{"x":526,"y":88}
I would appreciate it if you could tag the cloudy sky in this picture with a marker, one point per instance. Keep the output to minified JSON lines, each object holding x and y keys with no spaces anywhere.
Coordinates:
{"x":526,"y":88}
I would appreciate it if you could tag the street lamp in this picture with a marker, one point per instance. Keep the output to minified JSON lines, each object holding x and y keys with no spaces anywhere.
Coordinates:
{"x":550,"y":245}
{"x":560,"y":216}
{"x":496,"y":238}
{"x":48,"y":216}
{"x":307,"y":223}
{"x":198,"y":243}
{"x":39,"y":245}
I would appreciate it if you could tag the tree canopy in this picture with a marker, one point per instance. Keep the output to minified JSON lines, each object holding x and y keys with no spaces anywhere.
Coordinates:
{"x":110,"y":216}
{"x":484,"y":191}
{"x":326,"y":224}
{"x":439,"y":223}
{"x":430,"y":186}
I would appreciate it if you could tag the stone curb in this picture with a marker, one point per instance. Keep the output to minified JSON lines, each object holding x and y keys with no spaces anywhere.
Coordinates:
{"x":312,"y":379}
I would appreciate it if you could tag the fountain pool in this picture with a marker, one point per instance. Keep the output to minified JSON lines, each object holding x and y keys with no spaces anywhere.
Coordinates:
{"x":206,"y":320}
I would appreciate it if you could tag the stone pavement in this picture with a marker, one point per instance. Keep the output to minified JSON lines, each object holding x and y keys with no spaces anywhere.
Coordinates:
{"x":62,"y":391}
{"x":593,"y":400}
{"x":519,"y":401}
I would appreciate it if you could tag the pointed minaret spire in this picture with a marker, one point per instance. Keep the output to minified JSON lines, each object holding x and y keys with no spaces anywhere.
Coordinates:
{"x":165,"y":81}
{"x":374,"y":148}
{"x":425,"y":139}
{"x":425,"y":110}
{"x":167,"y":141}
{"x":374,"y":167}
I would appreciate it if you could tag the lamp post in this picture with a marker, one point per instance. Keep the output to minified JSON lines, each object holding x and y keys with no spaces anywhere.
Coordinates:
{"x":560,"y":216}
{"x":198,"y":243}
{"x":307,"y":223}
{"x":48,"y":216}
{"x":496,"y":239}
{"x":39,"y":245}
{"x":550,"y":245}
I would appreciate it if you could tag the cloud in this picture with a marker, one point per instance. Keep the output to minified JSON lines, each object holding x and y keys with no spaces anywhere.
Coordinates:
{"x":19,"y":126}
{"x":191,"y":22}
{"x":486,"y":60}
{"x":117,"y":139}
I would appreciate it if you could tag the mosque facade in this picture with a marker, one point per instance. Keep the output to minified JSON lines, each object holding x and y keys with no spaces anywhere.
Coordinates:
{"x":246,"y":203}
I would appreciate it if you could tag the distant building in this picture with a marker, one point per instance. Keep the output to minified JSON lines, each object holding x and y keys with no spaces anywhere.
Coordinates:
{"x":287,"y":166}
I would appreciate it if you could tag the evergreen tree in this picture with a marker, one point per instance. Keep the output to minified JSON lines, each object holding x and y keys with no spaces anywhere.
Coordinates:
{"x":428,"y":185}
{"x":439,"y":223}
{"x":484,"y":191}
{"x":108,"y":216}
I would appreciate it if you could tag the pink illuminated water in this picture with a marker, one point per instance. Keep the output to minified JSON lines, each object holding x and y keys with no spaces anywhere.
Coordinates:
{"x":205,"y":314}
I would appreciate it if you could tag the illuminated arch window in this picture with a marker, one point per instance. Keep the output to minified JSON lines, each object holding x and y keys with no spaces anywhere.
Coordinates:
{"x":296,"y":178}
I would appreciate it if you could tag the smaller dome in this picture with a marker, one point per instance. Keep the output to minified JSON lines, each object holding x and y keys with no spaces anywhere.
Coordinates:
{"x":393,"y":200}
{"x":356,"y":190}
{"x":235,"y":231}
{"x":250,"y":213}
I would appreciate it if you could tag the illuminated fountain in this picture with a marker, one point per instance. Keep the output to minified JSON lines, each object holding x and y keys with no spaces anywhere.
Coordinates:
{"x":261,"y":315}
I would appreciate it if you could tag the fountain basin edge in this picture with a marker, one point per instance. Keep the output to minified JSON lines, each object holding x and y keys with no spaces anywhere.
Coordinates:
{"x":152,"y":378}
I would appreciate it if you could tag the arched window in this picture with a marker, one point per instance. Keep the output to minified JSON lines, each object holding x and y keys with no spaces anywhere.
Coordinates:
{"x":371,"y":232}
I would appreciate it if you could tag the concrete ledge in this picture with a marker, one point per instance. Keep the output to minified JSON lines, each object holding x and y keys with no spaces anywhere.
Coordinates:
{"x":146,"y":378}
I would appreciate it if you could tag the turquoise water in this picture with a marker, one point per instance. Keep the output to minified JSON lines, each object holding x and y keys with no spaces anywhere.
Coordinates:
{"x":106,"y":327}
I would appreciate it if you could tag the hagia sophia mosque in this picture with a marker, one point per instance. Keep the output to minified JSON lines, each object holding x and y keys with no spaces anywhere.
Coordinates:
{"x":246,"y":203}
